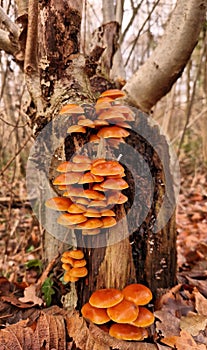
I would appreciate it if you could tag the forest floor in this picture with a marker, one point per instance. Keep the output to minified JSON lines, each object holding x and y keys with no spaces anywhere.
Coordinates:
{"x":181,"y":314}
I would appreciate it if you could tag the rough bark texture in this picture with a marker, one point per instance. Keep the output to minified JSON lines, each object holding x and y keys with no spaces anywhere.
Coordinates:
{"x":157,"y":75}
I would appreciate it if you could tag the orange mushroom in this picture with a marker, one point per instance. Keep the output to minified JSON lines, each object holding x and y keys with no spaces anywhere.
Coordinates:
{"x":76,"y":128}
{"x":64,"y":167}
{"x":124,"y":312}
{"x":67,"y":178}
{"x":81,"y":158}
{"x":78,"y":272}
{"x":105,"y":168}
{"x":71,"y":109}
{"x":90,"y":224}
{"x":71,"y":219}
{"x":112,"y":131}
{"x":58,"y":203}
{"x":113,"y":93}
{"x":137,"y":293}
{"x":114,"y":184}
{"x":127,"y":332}
{"x":75,"y":254}
{"x":94,"y":314}
{"x":108,"y":221}
{"x":105,"y":298}
{"x":145,"y":318}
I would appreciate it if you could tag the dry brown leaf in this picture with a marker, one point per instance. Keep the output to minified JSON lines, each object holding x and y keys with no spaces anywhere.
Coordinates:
{"x":30,"y":296}
{"x":193,"y":323}
{"x":170,"y":341}
{"x":168,"y":324}
{"x":200,"y":303}
{"x":186,"y":342}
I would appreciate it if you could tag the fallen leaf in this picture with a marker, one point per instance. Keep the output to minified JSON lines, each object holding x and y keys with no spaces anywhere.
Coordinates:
{"x":193,"y":323}
{"x":30,"y":296}
{"x":200,"y":303}
{"x":186,"y":342}
{"x":170,"y":341}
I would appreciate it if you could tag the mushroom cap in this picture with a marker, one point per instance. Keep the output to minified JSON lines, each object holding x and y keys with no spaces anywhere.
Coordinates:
{"x":64,"y":167}
{"x":113,"y":93}
{"x":81,"y":158}
{"x":66,"y":266}
{"x":92,"y":214}
{"x":67,"y":260}
{"x":68,"y":278}
{"x":97,"y":187}
{"x":90,"y":178}
{"x":127,"y":332}
{"x":81,"y":167}
{"x":124,"y":312}
{"x":98,"y":161}
{"x":80,"y":200}
{"x":67,"y":178}
{"x":58,"y":203}
{"x":116,"y":197}
{"x":94,"y":138}
{"x":71,"y":219}
{"x":107,"y":212}
{"x":79,"y":263}
{"x":76,"y":209}
{"x":108,"y":221}
{"x":112,"y":131}
{"x":75,"y":254}
{"x":71,"y":109}
{"x":98,"y":122}
{"x":105,"y":298}
{"x":115,"y":184}
{"x":126,"y":111}
{"x":80,"y":192}
{"x":94,"y":314}
{"x":124,"y":125}
{"x":111,"y":116}
{"x":86,"y":122}
{"x":76,"y":128}
{"x":78,"y":272}
{"x":102,"y":106}
{"x":145,"y":318}
{"x":106,"y":168}
{"x":90,"y":224}
{"x":137,"y":293}
{"x":97,"y":204}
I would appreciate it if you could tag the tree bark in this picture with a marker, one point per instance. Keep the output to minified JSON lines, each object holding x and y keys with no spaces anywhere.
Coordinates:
{"x":157,"y":75}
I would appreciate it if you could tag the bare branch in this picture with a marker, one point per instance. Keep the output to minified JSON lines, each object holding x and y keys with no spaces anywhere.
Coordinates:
{"x":30,"y":63}
{"x":135,"y":11}
{"x":11,"y":26}
{"x":155,"y":78}
{"x":6,"y":44}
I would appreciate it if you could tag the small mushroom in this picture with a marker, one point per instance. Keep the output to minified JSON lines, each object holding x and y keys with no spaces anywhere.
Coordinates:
{"x":124,"y":312}
{"x":108,"y":221}
{"x":106,"y":297}
{"x":87,"y":123}
{"x":137,"y":293}
{"x":67,"y":219}
{"x":64,"y":167}
{"x":68,"y":278}
{"x":127,"y":332}
{"x":90,"y":224}
{"x":71,"y":109}
{"x":106,"y":168}
{"x":114,"y":184}
{"x":112,"y":131}
{"x":58,"y":203}
{"x":145,"y":318}
{"x":113,"y":93}
{"x":75,"y":254}
{"x":111,"y":116}
{"x":79,"y":263}
{"x":67,"y":178}
{"x":76,"y":209}
{"x":77,"y":167}
{"x":116,"y":197}
{"x":107,"y":212}
{"x":81,"y":158}
{"x":76,"y":128}
{"x":94,"y":314}
{"x":90,"y":178}
{"x":78,"y":272}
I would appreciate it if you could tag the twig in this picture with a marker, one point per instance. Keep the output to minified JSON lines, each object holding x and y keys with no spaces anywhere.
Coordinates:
{"x":44,"y":275}
{"x":16,"y":154}
{"x":142,"y":27}
{"x":9,"y":24}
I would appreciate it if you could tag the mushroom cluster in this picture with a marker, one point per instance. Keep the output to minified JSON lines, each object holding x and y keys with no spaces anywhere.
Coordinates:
{"x":124,"y":309}
{"x":93,"y":187}
{"x":74,"y":265}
